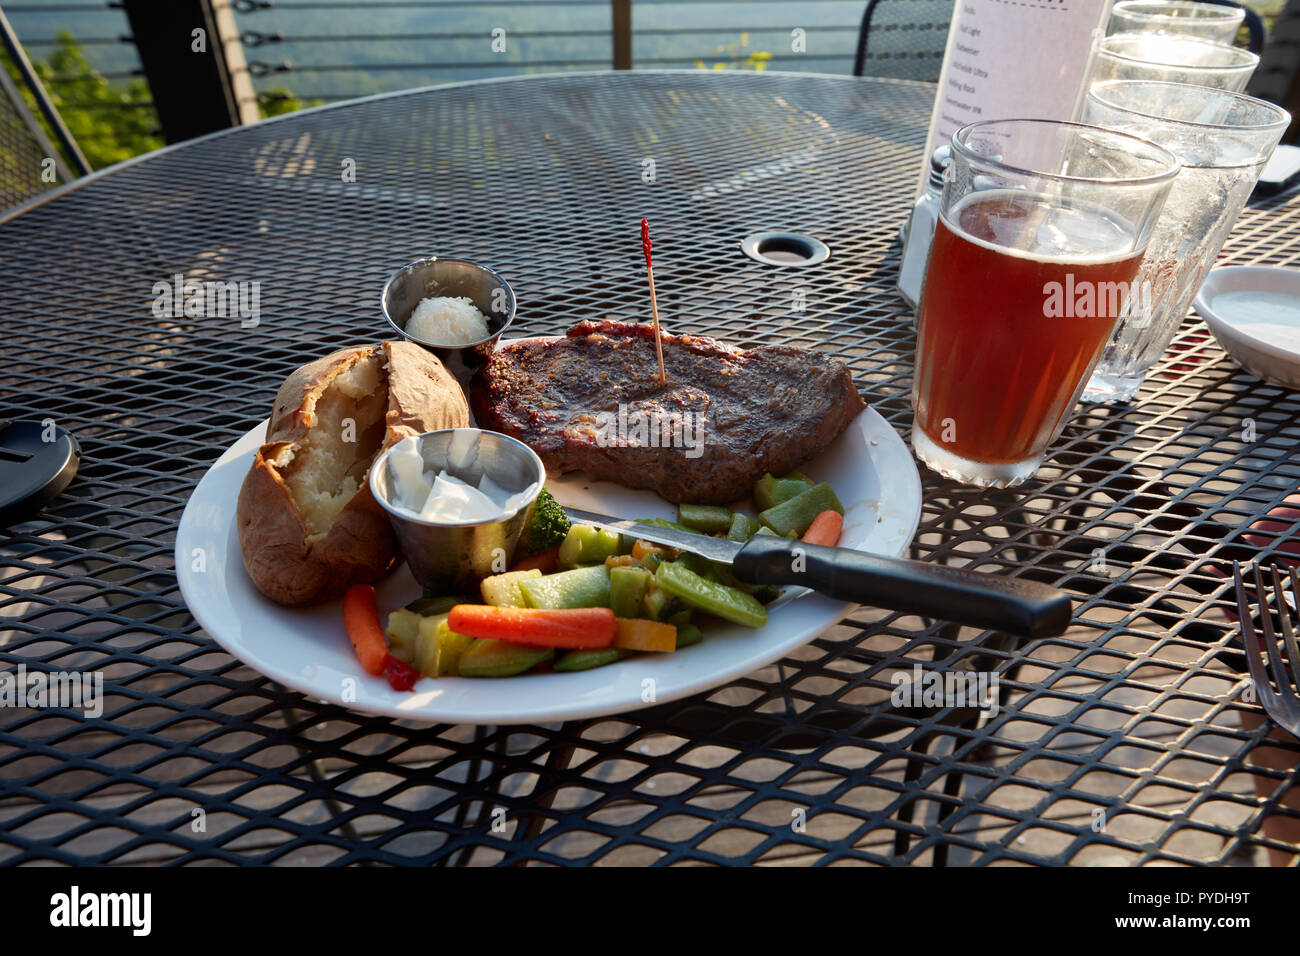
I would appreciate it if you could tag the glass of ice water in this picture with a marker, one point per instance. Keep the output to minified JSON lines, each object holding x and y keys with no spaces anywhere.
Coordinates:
{"x":1222,"y":140}
{"x":1173,"y":59}
{"x":1209,"y":21}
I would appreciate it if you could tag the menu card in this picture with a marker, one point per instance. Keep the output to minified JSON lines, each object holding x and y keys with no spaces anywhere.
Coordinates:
{"x":1013,"y":59}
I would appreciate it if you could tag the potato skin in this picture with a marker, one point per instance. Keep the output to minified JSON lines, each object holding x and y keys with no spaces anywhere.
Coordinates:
{"x":422,"y":395}
{"x":359,"y":546}
{"x":294,"y":411}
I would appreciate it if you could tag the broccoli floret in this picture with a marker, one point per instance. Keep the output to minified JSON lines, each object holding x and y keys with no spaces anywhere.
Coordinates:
{"x":546,"y":528}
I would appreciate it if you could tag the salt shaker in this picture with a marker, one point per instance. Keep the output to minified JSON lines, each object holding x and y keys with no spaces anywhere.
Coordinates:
{"x":920,"y":231}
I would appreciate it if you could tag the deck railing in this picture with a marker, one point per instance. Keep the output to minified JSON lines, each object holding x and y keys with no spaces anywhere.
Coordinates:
{"x":290,"y":53}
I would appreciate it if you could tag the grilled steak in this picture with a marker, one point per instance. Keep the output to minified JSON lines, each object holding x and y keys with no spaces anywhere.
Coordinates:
{"x":592,"y":401}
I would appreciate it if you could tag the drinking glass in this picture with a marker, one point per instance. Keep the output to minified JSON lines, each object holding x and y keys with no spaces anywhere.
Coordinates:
{"x":1030,"y":209}
{"x":1222,"y":141}
{"x":1173,"y":59}
{"x":1207,"y":21}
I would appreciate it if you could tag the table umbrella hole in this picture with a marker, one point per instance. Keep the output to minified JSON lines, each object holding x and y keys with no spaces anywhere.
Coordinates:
{"x":785,"y":249}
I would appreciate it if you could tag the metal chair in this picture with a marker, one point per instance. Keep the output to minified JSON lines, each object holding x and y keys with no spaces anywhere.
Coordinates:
{"x":903,"y":39}
{"x":29,"y":163}
{"x":1277,"y":78}
{"x":1254,"y":23}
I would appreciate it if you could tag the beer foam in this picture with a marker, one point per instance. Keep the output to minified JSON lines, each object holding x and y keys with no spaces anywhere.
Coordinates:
{"x":1064,"y":231}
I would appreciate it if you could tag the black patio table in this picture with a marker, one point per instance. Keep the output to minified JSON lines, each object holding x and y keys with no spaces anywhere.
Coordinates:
{"x":1125,"y":741}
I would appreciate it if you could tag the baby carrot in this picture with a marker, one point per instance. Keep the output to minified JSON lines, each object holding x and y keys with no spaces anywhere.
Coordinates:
{"x":361,"y":619}
{"x":579,"y":627}
{"x":825,"y":529}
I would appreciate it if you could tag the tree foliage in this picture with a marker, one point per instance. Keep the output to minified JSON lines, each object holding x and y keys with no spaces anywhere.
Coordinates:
{"x":278,"y":101}
{"x":739,"y":56}
{"x":107,"y":122}
{"x":110,"y":122}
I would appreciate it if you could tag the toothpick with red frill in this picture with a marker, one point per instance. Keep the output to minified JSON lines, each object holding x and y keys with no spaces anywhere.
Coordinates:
{"x":654,"y":306}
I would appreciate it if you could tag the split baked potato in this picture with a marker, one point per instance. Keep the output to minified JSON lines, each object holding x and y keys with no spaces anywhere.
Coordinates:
{"x":308,"y":526}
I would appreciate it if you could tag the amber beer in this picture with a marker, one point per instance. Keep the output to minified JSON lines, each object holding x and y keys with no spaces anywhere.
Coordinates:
{"x":998,"y":365}
{"x":1030,"y":209}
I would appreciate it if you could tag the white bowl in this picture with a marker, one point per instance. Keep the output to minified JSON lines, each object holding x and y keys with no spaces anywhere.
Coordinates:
{"x":1254,"y":312}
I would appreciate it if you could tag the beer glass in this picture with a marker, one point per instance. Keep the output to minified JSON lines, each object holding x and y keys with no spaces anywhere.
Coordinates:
{"x":1222,"y":140}
{"x":1207,"y":21}
{"x":1173,"y":59}
{"x":1042,"y":225}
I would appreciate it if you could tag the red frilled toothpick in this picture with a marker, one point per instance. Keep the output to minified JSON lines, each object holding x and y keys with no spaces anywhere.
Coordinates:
{"x":654,"y":306}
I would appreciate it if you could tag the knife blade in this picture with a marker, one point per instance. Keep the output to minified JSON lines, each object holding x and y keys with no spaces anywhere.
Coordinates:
{"x":715,"y":549}
{"x":975,"y":598}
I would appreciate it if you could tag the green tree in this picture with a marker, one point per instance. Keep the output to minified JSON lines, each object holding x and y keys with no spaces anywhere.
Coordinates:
{"x":278,"y":101}
{"x":108,"y":123}
{"x":112,"y":123}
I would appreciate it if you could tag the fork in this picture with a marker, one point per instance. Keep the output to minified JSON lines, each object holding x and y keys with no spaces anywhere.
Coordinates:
{"x":1282,"y":704}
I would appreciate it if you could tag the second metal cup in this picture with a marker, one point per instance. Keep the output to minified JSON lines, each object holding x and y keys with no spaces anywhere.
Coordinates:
{"x":451,"y":557}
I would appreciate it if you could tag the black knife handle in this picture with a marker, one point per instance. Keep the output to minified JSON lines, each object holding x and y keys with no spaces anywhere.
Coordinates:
{"x":1014,"y":605}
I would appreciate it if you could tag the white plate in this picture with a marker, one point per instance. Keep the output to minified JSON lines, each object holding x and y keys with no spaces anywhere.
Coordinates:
{"x":869,"y":466}
{"x":1265,"y":338}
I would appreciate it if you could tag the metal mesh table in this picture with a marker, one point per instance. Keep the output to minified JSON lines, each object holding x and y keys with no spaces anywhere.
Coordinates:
{"x":1123,"y":741}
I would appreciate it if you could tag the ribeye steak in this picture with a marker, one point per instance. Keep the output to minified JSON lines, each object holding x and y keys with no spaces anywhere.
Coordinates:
{"x":592,"y":401}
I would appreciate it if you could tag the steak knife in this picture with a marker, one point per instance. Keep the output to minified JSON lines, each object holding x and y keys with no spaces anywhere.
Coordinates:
{"x":992,"y":601}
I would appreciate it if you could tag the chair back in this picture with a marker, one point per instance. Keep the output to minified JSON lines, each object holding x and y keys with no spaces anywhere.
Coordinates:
{"x":1277,"y":78}
{"x":1254,"y":24}
{"x":903,"y":39}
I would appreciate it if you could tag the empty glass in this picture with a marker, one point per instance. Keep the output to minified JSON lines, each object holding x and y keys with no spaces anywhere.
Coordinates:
{"x":1206,"y":21}
{"x":1222,"y":140}
{"x":1172,"y":59}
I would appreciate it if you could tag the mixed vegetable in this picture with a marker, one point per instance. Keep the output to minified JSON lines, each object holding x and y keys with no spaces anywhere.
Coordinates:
{"x":581,"y":597}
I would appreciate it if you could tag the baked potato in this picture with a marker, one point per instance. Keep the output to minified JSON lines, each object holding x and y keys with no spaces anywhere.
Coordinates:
{"x":308,"y":526}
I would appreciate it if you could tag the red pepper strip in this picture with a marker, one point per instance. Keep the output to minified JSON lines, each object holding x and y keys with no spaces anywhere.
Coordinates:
{"x":544,"y":561}
{"x":401,"y":675}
